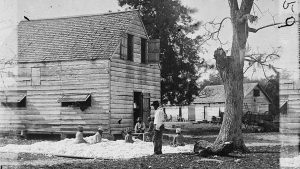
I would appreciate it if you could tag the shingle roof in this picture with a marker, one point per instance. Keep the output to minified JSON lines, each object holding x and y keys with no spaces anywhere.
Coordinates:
{"x":216,"y":93}
{"x":73,"y":38}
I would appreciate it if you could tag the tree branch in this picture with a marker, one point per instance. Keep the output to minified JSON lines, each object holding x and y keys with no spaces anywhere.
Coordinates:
{"x":262,"y":59}
{"x":215,"y":34}
{"x":253,"y":30}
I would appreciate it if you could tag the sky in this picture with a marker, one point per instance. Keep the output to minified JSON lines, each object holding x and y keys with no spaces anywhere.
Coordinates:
{"x":13,"y":11}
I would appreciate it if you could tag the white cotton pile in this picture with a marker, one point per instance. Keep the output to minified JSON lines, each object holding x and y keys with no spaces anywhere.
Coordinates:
{"x":105,"y":149}
{"x":290,"y":162}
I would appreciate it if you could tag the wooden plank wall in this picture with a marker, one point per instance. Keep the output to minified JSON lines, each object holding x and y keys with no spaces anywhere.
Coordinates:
{"x":260,"y":101}
{"x":290,"y":93}
{"x":127,"y":77}
{"x":44,"y":114}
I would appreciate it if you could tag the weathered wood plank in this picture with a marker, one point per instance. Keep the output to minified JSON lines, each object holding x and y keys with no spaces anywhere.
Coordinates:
{"x":132,"y":67}
{"x":64,"y":63}
{"x":135,"y":81}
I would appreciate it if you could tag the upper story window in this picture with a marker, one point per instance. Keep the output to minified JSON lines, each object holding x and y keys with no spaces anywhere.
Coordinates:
{"x":143,"y":50}
{"x":126,"y":48}
{"x":35,"y":76}
{"x":256,"y":93}
{"x":129,"y":47}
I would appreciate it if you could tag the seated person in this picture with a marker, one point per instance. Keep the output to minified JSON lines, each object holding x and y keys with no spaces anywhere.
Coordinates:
{"x":128,"y":137}
{"x":98,"y":136}
{"x":178,"y":139}
{"x":79,"y":136}
{"x":139,"y":126}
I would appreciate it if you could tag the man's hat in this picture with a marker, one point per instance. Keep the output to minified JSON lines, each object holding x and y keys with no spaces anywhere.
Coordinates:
{"x":155,"y":103}
{"x":139,"y":119}
{"x":100,"y":129}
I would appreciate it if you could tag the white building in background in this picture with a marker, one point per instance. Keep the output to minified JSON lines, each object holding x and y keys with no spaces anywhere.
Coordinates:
{"x":211,"y":101}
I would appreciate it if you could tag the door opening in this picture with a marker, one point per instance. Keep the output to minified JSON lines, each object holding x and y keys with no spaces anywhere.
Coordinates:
{"x":141,"y":106}
{"x":137,"y":106}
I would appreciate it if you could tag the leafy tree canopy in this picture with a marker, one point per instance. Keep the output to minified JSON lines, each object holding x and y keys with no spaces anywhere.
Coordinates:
{"x":170,"y":21}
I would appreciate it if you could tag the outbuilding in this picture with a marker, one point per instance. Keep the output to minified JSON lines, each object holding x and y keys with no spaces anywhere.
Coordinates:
{"x":211,"y":101}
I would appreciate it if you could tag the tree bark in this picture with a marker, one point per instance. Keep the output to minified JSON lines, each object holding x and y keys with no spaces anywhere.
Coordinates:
{"x":231,"y":71}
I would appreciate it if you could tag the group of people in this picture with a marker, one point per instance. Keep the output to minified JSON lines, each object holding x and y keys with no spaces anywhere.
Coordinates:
{"x":154,"y":131}
{"x":96,"y":138}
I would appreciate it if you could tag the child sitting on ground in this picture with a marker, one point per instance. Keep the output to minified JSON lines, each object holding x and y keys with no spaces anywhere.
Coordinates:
{"x":178,"y":139}
{"x":98,"y":136}
{"x":79,"y":136}
{"x":128,"y":137}
{"x":139,"y":126}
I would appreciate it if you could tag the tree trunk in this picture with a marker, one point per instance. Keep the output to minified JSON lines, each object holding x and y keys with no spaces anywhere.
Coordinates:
{"x":231,"y":71}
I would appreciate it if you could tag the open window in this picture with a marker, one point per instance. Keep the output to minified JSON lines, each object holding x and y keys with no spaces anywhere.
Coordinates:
{"x":129,"y":47}
{"x":83,"y":101}
{"x":123,"y":47}
{"x":14,"y":99}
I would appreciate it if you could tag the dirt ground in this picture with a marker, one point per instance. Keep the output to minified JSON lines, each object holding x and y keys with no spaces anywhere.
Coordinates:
{"x":265,"y":153}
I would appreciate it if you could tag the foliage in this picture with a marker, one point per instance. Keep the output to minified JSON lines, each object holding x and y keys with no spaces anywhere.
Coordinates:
{"x":171,"y":22}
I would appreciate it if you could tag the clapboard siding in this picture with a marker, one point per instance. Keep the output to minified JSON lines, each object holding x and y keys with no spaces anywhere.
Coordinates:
{"x":290,"y":94}
{"x":57,"y":78}
{"x":253,"y":102}
{"x":128,"y":77}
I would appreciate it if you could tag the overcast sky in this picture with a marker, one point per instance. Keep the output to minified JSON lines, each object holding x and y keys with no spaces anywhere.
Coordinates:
{"x":12,"y":11}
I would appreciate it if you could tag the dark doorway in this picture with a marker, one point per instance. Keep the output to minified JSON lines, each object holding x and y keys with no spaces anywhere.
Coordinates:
{"x":141,"y":106}
{"x":137,"y":106}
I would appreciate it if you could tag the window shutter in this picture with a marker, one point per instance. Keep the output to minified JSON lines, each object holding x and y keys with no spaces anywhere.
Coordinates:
{"x":144,"y":51}
{"x":35,"y":76}
{"x":153,"y":51}
{"x":123,"y":47}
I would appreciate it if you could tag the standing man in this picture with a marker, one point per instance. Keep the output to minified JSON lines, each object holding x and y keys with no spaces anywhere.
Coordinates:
{"x":159,"y":118}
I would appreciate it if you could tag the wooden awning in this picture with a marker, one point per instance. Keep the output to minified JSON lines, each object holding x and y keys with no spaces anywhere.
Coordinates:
{"x":12,"y":97}
{"x":74,"y":98}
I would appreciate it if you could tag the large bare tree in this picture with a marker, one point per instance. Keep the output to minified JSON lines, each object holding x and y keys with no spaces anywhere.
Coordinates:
{"x":231,"y":71}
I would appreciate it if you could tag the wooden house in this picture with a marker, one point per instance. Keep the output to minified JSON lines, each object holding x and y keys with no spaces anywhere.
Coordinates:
{"x":211,"y":101}
{"x":97,"y":70}
{"x":289,"y":92}
{"x":290,"y":105}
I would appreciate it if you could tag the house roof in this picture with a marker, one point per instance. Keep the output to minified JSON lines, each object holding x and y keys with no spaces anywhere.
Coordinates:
{"x":72,"y":38}
{"x":216,"y":93}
